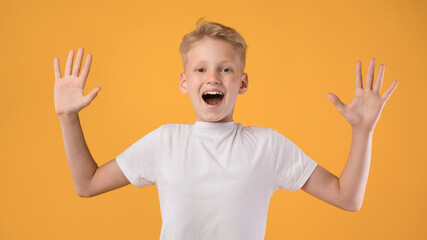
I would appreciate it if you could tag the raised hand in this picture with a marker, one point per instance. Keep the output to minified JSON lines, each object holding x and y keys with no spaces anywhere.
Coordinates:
{"x":68,"y":90}
{"x":364,"y":111}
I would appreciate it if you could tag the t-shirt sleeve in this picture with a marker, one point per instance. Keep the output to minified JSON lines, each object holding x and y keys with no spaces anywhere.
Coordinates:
{"x":293,"y":167}
{"x":138,"y":162}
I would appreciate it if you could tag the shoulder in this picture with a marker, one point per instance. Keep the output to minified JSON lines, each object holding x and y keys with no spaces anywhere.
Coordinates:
{"x":265,"y":133}
{"x":257,"y":130}
{"x":174,"y":129}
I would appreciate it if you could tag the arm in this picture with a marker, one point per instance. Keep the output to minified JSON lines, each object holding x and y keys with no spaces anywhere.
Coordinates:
{"x":347,"y":191}
{"x":362,"y":113}
{"x":89,"y":180}
{"x":81,"y":163}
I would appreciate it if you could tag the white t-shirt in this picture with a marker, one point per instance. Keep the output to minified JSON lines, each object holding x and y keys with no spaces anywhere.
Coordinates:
{"x":215,"y":180}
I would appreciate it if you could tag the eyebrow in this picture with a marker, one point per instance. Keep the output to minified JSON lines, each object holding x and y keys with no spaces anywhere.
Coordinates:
{"x":204,"y":61}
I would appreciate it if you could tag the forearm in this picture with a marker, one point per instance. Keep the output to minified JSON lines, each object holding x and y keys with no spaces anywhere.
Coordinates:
{"x":354,"y":177}
{"x":81,"y":162}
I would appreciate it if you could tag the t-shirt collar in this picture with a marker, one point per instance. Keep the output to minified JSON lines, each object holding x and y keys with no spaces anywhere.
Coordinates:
{"x":214,"y":125}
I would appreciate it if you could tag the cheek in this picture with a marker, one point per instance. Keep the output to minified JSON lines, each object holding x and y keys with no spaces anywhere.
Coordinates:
{"x":234,"y":91}
{"x":194,"y":95}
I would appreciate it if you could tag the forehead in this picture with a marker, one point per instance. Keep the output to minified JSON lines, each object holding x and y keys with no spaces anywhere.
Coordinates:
{"x":219,"y":62}
{"x":210,"y":49}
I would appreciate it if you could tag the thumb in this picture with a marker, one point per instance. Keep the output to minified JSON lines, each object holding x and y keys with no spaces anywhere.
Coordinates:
{"x":90,"y":96}
{"x":336,"y":101}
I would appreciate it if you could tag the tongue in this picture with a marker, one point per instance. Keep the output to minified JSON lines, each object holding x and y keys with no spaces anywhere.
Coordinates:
{"x":213,"y":101}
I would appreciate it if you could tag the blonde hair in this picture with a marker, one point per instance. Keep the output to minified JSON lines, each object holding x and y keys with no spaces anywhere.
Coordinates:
{"x":216,"y":31}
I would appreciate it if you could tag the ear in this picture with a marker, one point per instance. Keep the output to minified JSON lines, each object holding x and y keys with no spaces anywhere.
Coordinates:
{"x":183,"y":84}
{"x":245,"y":83}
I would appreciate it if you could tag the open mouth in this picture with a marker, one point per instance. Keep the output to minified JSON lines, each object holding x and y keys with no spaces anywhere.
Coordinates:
{"x":212,"y":97}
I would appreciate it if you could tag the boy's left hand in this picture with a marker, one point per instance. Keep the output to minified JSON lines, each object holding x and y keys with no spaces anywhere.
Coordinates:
{"x":365,"y":109}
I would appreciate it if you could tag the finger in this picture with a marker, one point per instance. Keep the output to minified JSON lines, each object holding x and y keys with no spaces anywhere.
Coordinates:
{"x":379,"y":81}
{"x":56,"y":69}
{"x":359,"y":83}
{"x":86,"y":67}
{"x":336,"y":101}
{"x":390,"y":90}
{"x":69,"y":63}
{"x":370,"y":75}
{"x":90,"y":96}
{"x":78,"y":62}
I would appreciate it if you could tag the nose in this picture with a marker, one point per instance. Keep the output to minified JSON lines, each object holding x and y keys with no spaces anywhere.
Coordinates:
{"x":214,"y":78}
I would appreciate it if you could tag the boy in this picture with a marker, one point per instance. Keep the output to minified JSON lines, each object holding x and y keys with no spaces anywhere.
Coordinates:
{"x":215,"y":177}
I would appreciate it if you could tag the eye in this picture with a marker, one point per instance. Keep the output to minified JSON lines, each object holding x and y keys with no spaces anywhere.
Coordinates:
{"x":227,"y":69}
{"x":197,"y":70}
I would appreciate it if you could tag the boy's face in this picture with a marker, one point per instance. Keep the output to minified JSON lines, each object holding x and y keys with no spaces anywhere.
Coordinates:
{"x":213,"y":78}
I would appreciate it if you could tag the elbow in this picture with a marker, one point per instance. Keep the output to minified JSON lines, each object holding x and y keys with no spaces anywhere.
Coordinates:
{"x":83,"y":195}
{"x":354,"y":207}
{"x":351,"y":203}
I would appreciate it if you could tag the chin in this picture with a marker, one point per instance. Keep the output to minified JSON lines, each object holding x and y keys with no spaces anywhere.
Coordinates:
{"x":214,"y":119}
{"x":210,"y":119}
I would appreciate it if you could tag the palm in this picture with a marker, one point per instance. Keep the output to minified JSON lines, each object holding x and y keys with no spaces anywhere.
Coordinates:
{"x":68,"y":90}
{"x":365,"y":109}
{"x":68,"y":94}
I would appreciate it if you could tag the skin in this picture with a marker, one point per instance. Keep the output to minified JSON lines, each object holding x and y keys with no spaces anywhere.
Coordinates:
{"x":363,"y":113}
{"x":213,"y":63}
{"x":345,"y":192}
{"x":89,"y":179}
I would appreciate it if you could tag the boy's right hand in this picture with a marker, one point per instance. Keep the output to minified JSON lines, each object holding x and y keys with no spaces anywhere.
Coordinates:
{"x":68,"y":90}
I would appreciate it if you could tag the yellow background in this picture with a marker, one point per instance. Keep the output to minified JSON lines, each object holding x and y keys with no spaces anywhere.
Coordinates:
{"x":298,"y":52}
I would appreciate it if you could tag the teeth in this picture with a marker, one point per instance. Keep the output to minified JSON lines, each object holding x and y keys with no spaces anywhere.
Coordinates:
{"x":213,"y":93}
